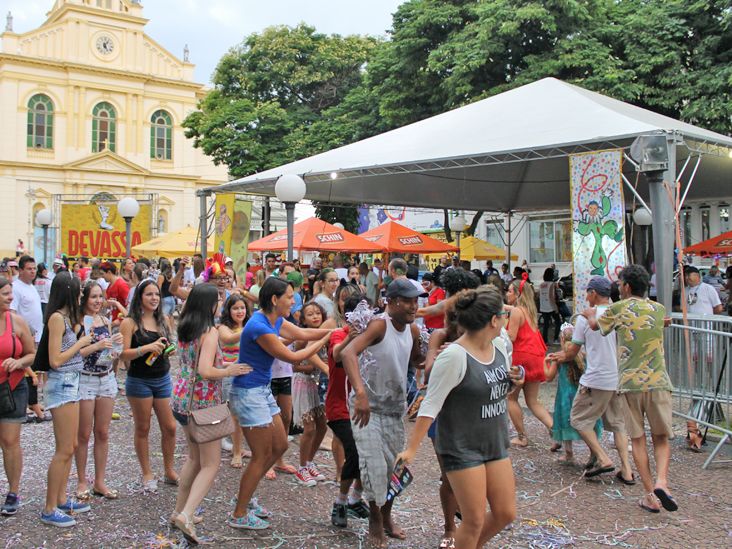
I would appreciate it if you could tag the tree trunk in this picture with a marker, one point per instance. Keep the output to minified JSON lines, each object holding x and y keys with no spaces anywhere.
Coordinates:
{"x":446,"y":225}
{"x":470,"y":231}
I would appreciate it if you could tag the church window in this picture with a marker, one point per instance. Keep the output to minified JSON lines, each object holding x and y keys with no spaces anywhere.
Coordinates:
{"x":161,"y":136}
{"x":104,"y":128}
{"x":40,"y":122}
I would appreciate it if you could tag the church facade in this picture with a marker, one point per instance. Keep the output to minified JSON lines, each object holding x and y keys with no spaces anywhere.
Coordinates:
{"x":91,"y":109}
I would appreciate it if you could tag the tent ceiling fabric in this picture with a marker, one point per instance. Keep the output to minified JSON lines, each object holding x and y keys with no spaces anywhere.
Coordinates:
{"x":507,"y":152}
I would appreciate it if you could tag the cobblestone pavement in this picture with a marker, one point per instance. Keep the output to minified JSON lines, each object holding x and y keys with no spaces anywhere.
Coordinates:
{"x":556,"y":507}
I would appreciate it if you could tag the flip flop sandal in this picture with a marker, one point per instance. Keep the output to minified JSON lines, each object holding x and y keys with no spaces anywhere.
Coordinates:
{"x":171,"y":481}
{"x":109,"y":494}
{"x":590,"y":463}
{"x":187,"y":528}
{"x":564,"y":460}
{"x":287,"y":469}
{"x":84,"y":496}
{"x":667,"y":501}
{"x":555,"y":447}
{"x":197,"y":519}
{"x":447,"y":543}
{"x":625,"y":481}
{"x":646,"y":508}
{"x":270,"y":475}
{"x":599,"y":470}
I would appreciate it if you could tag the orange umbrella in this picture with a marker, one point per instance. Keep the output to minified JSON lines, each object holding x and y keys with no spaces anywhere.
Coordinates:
{"x":315,"y":234}
{"x":398,"y":238}
{"x":719,"y":245}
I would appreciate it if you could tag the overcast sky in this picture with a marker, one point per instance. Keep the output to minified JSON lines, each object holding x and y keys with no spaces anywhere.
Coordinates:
{"x":211,"y":27}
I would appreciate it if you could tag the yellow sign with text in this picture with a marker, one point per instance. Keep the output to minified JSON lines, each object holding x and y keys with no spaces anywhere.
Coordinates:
{"x":97,"y":230}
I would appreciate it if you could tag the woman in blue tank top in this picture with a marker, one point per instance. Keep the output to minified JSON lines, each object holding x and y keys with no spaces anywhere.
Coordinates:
{"x":251,"y":397}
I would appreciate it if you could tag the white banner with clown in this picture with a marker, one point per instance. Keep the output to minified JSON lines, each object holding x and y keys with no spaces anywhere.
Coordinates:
{"x":598,"y":219}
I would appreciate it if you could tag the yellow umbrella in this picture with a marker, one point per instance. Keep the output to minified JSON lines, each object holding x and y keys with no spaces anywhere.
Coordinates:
{"x":172,"y":245}
{"x":472,"y":248}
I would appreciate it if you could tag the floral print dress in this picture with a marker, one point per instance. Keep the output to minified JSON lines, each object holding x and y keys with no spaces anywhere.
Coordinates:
{"x":206,"y":392}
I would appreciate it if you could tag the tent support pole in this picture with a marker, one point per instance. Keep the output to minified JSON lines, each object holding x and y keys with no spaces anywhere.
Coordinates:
{"x":509,"y":214}
{"x":663,"y":225}
{"x":203,"y":221}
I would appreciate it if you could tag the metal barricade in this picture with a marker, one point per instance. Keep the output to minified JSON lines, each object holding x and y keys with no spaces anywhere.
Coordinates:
{"x":702,"y":391}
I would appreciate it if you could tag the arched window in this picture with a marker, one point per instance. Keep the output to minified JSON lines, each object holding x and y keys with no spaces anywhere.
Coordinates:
{"x":104,"y":127}
{"x":40,"y":122}
{"x":161,"y":136}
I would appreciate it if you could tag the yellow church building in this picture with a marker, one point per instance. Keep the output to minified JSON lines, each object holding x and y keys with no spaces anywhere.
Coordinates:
{"x":91,"y":110}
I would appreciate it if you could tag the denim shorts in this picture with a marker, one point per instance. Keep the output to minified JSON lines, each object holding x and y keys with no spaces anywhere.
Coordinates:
{"x":153,"y":387}
{"x":61,"y":388}
{"x":168,"y":305}
{"x":253,"y":407}
{"x":92,"y":387}
{"x":226,"y":385}
{"x":20,"y":397}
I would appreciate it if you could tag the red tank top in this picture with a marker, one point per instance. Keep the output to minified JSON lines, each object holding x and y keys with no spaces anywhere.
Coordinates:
{"x":9,"y":342}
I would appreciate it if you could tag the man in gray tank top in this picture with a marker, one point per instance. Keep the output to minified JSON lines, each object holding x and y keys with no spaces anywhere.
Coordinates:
{"x":378,"y":399}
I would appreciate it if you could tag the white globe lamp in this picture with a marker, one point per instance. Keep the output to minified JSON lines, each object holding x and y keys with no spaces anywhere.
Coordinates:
{"x":290,"y":189}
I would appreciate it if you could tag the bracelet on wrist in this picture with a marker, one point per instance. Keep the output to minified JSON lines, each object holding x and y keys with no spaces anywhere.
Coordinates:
{"x":139,"y":352}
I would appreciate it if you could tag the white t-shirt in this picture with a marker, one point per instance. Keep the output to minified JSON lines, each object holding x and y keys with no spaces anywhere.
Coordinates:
{"x":43,"y":287}
{"x":27,"y":303}
{"x":601,"y":360}
{"x":188,"y":276}
{"x":652,"y":291}
{"x":342,"y":272}
{"x":103,"y":284}
{"x":280,"y":368}
{"x":702,"y":299}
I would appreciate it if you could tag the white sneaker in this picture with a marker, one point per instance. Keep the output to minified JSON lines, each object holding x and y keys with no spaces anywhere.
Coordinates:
{"x":227,"y":445}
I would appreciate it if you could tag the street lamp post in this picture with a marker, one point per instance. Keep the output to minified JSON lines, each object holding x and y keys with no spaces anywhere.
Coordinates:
{"x":290,"y":189}
{"x":44,"y":219}
{"x":128,"y":208}
{"x":457,"y":225}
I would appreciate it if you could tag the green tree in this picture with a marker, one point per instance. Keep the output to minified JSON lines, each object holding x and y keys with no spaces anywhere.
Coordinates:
{"x":347,"y":214}
{"x":269,"y":90}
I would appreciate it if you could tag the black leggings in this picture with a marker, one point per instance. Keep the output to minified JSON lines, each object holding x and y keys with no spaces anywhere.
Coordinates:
{"x":547,"y":318}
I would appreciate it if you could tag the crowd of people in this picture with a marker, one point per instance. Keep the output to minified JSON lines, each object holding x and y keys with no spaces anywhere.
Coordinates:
{"x":350,"y":348}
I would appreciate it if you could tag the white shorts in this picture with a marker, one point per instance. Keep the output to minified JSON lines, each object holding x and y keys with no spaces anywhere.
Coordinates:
{"x":93,"y":387}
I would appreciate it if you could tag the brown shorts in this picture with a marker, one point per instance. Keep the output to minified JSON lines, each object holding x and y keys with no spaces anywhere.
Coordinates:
{"x":653,"y":405}
{"x":591,"y":404}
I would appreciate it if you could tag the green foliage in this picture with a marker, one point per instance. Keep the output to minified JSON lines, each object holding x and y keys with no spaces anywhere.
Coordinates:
{"x":338,"y":213}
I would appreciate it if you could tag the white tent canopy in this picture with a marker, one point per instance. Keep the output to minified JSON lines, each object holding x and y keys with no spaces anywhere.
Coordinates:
{"x":505,"y":153}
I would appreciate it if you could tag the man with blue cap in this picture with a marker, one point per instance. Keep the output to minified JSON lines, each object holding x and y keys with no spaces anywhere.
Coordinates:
{"x":597,"y":395}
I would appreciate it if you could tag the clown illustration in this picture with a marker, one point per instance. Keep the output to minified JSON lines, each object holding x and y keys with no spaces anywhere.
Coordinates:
{"x":592,"y":223}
